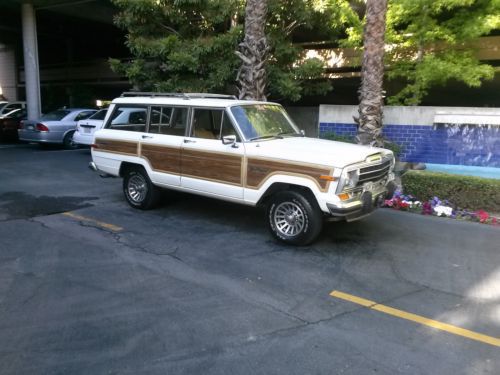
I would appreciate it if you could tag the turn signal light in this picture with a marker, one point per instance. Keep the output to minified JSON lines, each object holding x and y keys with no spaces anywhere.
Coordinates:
{"x":327,"y":178}
{"x":41,"y":127}
{"x":343,"y":196}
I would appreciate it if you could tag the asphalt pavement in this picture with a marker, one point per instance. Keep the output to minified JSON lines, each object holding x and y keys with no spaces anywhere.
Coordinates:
{"x":89,"y":285}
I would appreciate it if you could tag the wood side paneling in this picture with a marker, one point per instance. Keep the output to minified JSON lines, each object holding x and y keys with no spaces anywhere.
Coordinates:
{"x":162,"y":158}
{"x":258,"y":170}
{"x":212,"y":166}
{"x":118,"y":147}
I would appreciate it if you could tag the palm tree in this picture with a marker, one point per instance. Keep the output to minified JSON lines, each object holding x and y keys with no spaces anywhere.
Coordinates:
{"x":251,"y":78}
{"x":371,"y":94}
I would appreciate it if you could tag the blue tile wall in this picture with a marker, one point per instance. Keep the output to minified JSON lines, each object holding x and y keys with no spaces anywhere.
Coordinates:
{"x":440,"y":143}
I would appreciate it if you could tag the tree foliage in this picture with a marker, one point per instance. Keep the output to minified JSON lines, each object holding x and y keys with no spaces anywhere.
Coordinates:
{"x":429,"y":43}
{"x":189,"y":45}
{"x":179,"y":45}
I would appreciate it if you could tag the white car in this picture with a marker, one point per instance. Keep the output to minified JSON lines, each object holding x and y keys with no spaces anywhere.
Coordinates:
{"x":6,"y":108}
{"x":85,"y":129}
{"x":245,"y":152}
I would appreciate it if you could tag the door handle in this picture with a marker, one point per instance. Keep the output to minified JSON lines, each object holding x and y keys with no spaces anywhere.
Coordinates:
{"x":189,"y":141}
{"x":147,"y":136}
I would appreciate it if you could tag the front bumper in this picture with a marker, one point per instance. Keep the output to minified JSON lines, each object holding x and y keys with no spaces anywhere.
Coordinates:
{"x":359,"y":210}
{"x":361,"y":206}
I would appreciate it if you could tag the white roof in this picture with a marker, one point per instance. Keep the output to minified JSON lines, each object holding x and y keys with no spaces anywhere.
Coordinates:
{"x":485,"y":118}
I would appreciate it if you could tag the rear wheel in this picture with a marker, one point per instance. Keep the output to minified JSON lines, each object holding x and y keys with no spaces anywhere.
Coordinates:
{"x":139,"y":191}
{"x":68,"y":141}
{"x":294,"y":218}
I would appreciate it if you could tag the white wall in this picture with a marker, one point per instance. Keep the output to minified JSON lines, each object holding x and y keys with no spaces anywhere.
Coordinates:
{"x":8,"y":79}
{"x":399,"y":115}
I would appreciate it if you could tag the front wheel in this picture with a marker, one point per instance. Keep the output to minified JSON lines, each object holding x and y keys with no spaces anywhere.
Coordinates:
{"x":139,"y":191}
{"x":294,"y":218}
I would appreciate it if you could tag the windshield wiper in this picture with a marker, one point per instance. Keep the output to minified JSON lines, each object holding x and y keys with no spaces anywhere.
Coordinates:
{"x":267,"y":137}
{"x":293,"y":134}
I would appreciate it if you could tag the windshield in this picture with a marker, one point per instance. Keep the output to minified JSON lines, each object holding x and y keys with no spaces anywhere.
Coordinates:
{"x":55,"y":115}
{"x":259,"y":121}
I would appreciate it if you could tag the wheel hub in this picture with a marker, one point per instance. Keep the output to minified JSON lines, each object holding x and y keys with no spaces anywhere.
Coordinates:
{"x":289,"y":218}
{"x":137,"y":188}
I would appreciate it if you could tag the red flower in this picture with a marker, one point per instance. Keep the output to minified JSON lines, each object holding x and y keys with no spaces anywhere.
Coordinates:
{"x":426,"y":208}
{"x":482,"y":216}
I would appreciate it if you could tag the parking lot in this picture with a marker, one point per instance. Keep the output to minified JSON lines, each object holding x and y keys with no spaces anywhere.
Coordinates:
{"x":89,"y":285}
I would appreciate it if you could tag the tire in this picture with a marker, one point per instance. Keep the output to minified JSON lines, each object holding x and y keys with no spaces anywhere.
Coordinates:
{"x":68,"y":143}
{"x":294,"y":218}
{"x":139,"y":191}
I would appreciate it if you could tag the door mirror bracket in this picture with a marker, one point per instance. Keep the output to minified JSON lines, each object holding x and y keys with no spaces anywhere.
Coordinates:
{"x":230,"y":140}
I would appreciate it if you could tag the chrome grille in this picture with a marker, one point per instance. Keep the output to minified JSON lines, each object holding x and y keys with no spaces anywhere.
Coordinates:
{"x":374,"y":173}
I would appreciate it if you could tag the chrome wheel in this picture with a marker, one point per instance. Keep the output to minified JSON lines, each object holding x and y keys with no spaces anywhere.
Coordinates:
{"x":289,"y":218}
{"x":137,"y":188}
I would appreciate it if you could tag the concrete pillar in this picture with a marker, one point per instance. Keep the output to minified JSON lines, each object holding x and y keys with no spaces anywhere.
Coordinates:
{"x":31,"y":68}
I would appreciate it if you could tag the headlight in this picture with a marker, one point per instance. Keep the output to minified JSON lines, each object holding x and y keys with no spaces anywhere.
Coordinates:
{"x":351,"y":179}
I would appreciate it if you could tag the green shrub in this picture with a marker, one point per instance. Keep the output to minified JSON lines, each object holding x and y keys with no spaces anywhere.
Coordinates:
{"x":467,"y":192}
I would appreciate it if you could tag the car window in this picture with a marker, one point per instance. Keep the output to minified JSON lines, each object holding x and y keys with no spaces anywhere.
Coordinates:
{"x":99,"y":115}
{"x":206,"y":123}
{"x":263,"y":120}
{"x":11,"y":107}
{"x":55,"y":115}
{"x":17,"y":113}
{"x":168,"y":120}
{"x":129,"y":118}
{"x":83,"y":115}
{"x":228,"y":128}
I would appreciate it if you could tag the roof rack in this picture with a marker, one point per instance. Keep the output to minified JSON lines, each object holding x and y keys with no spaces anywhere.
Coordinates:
{"x":178,"y":95}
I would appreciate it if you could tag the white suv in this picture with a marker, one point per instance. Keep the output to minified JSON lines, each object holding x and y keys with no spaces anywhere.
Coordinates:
{"x":246,"y":152}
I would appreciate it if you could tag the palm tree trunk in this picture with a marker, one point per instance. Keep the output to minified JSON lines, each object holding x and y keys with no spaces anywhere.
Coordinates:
{"x":371,"y":94}
{"x":251,"y":78}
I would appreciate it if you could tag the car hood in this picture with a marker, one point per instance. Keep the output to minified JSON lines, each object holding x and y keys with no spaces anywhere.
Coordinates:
{"x":312,"y":150}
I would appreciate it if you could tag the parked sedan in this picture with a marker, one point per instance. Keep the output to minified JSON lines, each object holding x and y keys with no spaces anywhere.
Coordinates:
{"x":54,"y":127}
{"x":7,"y":108}
{"x":10,"y":123}
{"x":85,"y":129}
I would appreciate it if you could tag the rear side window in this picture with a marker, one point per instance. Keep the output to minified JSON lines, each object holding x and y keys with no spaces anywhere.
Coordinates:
{"x":99,"y":115}
{"x":128,"y":118}
{"x":56,"y":115}
{"x":168,"y":120}
{"x":84,"y":115}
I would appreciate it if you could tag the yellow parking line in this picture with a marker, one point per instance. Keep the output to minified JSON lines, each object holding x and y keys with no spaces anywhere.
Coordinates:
{"x":417,"y":318}
{"x":101,"y":224}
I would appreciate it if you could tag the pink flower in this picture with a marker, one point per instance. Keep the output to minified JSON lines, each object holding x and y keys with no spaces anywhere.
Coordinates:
{"x":482,"y":216}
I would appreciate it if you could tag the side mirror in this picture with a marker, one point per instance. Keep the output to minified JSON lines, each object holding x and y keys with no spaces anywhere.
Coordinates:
{"x":229,"y":140}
